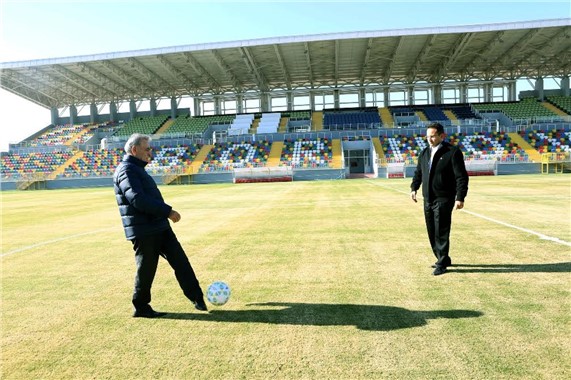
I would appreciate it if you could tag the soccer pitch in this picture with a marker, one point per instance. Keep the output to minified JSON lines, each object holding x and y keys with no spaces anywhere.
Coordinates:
{"x":330,"y":280}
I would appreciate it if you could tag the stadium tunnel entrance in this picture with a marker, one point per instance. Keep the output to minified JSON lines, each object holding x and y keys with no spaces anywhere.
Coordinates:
{"x":358,"y":159}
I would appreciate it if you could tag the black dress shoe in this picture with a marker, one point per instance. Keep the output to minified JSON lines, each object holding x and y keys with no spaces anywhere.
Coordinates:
{"x":148,"y":314}
{"x":439,"y":270}
{"x":446,"y":266}
{"x":200,"y":305}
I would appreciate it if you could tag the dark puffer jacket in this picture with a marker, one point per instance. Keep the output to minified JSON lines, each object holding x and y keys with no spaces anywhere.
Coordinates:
{"x":141,"y":205}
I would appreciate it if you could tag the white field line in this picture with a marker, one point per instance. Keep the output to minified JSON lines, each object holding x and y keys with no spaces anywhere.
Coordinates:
{"x":28,"y":247}
{"x":538,"y":234}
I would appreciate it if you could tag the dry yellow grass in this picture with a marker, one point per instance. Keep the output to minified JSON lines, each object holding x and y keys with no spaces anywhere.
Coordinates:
{"x":330,"y":279}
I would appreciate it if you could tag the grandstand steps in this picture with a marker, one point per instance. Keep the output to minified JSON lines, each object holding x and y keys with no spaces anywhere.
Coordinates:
{"x":254,"y":126}
{"x":317,"y":121}
{"x":283,"y":124}
{"x":61,"y":168}
{"x":531,"y":152}
{"x":421,"y":115}
{"x":77,"y":136}
{"x":275,"y":154}
{"x":165,"y":126}
{"x":553,"y":109}
{"x":379,"y":150}
{"x":199,"y":159}
{"x":386,"y":117}
{"x":337,"y":162}
{"x":449,"y":114}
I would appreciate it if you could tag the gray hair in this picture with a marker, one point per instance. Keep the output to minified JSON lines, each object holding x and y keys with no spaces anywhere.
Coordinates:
{"x":135,"y":140}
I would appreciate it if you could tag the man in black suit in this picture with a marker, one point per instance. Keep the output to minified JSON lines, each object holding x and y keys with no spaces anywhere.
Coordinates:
{"x":444,"y":179}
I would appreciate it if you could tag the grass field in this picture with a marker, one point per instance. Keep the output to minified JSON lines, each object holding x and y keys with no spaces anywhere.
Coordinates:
{"x":330,"y":280}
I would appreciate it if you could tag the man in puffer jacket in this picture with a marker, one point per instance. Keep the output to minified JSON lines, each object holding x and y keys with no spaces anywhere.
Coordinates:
{"x":145,"y":217}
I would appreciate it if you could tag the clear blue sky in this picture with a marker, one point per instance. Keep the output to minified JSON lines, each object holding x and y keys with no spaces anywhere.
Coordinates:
{"x":47,"y":29}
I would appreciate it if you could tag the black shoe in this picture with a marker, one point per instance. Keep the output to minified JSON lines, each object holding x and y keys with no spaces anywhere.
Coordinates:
{"x":439,"y":270}
{"x":200,"y":305}
{"x":445,"y":266}
{"x":148,"y":314}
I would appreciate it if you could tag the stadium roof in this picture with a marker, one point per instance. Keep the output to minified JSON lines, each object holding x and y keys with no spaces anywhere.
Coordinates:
{"x":372,"y":58}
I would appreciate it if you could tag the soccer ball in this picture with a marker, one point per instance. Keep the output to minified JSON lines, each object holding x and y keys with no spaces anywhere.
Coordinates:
{"x":218,"y":293}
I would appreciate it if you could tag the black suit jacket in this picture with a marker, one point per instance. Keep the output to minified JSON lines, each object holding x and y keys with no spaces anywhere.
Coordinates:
{"x":446,"y":179}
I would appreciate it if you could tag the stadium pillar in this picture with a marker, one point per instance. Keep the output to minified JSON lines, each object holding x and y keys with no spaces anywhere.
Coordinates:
{"x":437,"y":93}
{"x":410,"y":94}
{"x":239,"y":103}
{"x":311,"y":101}
{"x":55,"y":115}
{"x":112,"y":112}
{"x":336,"y":99}
{"x":153,"y":106}
{"x":265,"y":102}
{"x":132,"y":109}
{"x":512,"y":96}
{"x":217,"y":105}
{"x":487,"y":92}
{"x":196,"y":103}
{"x":289,"y":100}
{"x":539,"y":88}
{"x":362,"y":98}
{"x":463,"y":89}
{"x":174,"y":108}
{"x":72,"y":114}
{"x":565,"y":85}
{"x":386,"y":97}
{"x":93,"y":113}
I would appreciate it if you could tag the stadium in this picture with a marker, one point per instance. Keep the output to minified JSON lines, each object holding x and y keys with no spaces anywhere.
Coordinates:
{"x":324,"y":107}
{"x":290,"y":160}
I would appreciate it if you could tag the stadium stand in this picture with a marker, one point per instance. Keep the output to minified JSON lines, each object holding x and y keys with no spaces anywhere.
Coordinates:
{"x":147,"y":125}
{"x":60,"y":151}
{"x":227,"y":156}
{"x":307,"y":153}
{"x":548,"y":141}
{"x":367,"y":118}
{"x":241,"y":124}
{"x":561,"y":102}
{"x":269,"y":123}
{"x":185,"y":124}
{"x":17,"y":165}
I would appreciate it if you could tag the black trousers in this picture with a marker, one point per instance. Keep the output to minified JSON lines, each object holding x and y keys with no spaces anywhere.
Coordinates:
{"x":147,"y":251}
{"x":438,"y":218}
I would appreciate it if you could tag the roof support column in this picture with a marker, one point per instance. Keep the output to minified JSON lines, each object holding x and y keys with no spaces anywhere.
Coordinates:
{"x":93,"y":113}
{"x":311,"y":100}
{"x":265,"y":102}
{"x":55,"y":115}
{"x":217,"y":105}
{"x":153,"y":106}
{"x":512,"y":96}
{"x":410,"y":95}
{"x":336,"y":99}
{"x":437,"y":93}
{"x":174,"y":108}
{"x":565,"y":85}
{"x":239,"y":103}
{"x":289,"y":100}
{"x":196,"y":102}
{"x":132,"y":109}
{"x":463,"y":92}
{"x":362,"y":98}
{"x":72,"y":114}
{"x":386,"y":97}
{"x":539,"y":88}
{"x":112,"y":112}
{"x":488,"y":88}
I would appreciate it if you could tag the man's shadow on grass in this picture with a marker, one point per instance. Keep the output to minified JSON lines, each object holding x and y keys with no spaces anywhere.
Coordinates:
{"x":363,"y":317}
{"x":564,"y":267}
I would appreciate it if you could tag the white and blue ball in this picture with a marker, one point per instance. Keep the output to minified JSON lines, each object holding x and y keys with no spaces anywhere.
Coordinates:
{"x":218,"y":293}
